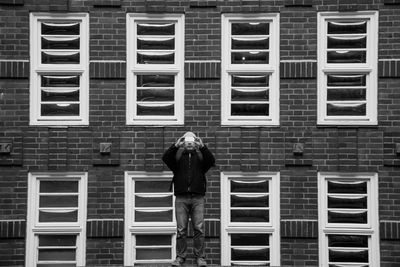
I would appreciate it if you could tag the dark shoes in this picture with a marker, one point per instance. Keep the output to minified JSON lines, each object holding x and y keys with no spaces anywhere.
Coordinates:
{"x":178,"y":262}
{"x":201,"y":262}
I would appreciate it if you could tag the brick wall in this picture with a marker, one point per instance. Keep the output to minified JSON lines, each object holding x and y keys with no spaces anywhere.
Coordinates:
{"x":360,"y":149}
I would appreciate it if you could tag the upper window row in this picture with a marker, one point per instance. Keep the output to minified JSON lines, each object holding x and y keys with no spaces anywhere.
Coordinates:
{"x":347,"y":69}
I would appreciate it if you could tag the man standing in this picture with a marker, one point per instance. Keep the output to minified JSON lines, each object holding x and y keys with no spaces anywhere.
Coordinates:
{"x":189,"y":159}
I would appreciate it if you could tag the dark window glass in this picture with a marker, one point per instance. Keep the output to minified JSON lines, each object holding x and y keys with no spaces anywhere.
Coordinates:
{"x":60,"y":95}
{"x":347,"y":27}
{"x":57,"y":240}
{"x":59,"y":81}
{"x":250,"y":109}
{"x":57,"y":216}
{"x":155,"y":110}
{"x":57,"y":255}
{"x":155,"y":57}
{"x":336,"y":255}
{"x":346,"y":110}
{"x":249,"y":239}
{"x":250,"y":28}
{"x":58,"y":265}
{"x":250,"y":43}
{"x":346,"y":56}
{"x":343,"y":217}
{"x":56,"y":28}
{"x":151,"y":201}
{"x":152,"y":186}
{"x":153,"y":254}
{"x":60,"y":43}
{"x":347,"y":94}
{"x":250,"y":57}
{"x":360,"y":241}
{"x":153,"y":240}
{"x":347,"y":203}
{"x":153,"y":216}
{"x":250,"y":95}
{"x":249,"y":186}
{"x":358,"y":187}
{"x":250,"y":215}
{"x":60,"y":110}
{"x":155,"y":95}
{"x":156,"y":43}
{"x":155,"y":80}
{"x":250,"y":254}
{"x":58,"y":201}
{"x":156,"y":29}
{"x":249,"y":201}
{"x":60,"y":58}
{"x":250,"y":80}
{"x":336,"y":42}
{"x":59,"y":186}
{"x":346,"y":80}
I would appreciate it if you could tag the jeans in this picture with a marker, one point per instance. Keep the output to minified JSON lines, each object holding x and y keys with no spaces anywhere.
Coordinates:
{"x":189,"y":205}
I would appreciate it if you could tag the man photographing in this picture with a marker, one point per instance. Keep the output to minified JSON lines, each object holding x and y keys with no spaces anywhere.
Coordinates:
{"x":189,"y":160}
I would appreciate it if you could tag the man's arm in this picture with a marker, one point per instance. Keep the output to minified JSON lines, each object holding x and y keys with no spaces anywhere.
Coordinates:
{"x":169,"y":157}
{"x":208,"y":158}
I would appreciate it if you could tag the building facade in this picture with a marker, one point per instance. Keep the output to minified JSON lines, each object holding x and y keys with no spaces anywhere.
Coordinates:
{"x":298,"y":100}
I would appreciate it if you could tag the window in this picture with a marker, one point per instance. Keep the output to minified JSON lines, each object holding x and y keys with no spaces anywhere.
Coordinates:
{"x":150,"y":225}
{"x":347,"y":68}
{"x":250,"y":219}
{"x":59,"y":83}
{"x":56,"y":221}
{"x":348,"y":219}
{"x":250,"y":69}
{"x":155,"y":61}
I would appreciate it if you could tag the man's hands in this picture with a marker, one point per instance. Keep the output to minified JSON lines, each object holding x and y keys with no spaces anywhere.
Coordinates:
{"x":197,"y":142}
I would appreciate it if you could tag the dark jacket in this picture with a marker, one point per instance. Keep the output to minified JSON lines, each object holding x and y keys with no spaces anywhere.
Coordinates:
{"x":189,"y":169}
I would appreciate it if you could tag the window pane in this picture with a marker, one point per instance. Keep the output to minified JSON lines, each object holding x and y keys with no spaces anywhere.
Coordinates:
{"x":347,"y":27}
{"x":58,"y":201}
{"x":342,"y":187}
{"x":60,"y":43}
{"x":57,"y":216}
{"x":155,"y":80}
{"x":249,"y":201}
{"x":348,"y":217}
{"x":347,"y":42}
{"x":250,"y":81}
{"x":348,"y":241}
{"x":59,"y":110}
{"x":57,"y":255}
{"x":60,"y":95}
{"x":159,"y":43}
{"x":337,"y":255}
{"x":250,"y":28}
{"x":155,"y":110}
{"x":249,"y":186}
{"x":250,"y":239}
{"x":153,"y":240}
{"x":156,"y":29}
{"x":250,"y":254}
{"x":153,"y":254}
{"x":341,"y":265}
{"x":347,"y":203}
{"x":59,"y":28}
{"x":60,"y":57}
{"x":155,"y":95}
{"x":57,"y":240}
{"x":250,"y":109}
{"x":347,"y":94}
{"x":59,"y":81}
{"x":153,"y":216}
{"x":346,"y":80}
{"x":345,"y":56}
{"x":59,"y":186}
{"x":250,"y":43}
{"x":155,"y":57}
{"x":250,"y":215}
{"x":58,"y":265}
{"x":152,"y":186}
{"x":153,"y":201}
{"x":250,"y":57}
{"x":250,"y":95}
{"x":346,"y":109}
{"x":250,"y":264}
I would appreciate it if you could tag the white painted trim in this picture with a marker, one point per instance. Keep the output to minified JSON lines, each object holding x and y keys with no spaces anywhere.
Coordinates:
{"x":370,"y":68}
{"x":176,"y":69}
{"x":273,"y":228}
{"x":37,"y":68}
{"x":272,"y":68}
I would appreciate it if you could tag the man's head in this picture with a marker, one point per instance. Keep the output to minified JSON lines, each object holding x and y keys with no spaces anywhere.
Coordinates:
{"x":189,"y":141}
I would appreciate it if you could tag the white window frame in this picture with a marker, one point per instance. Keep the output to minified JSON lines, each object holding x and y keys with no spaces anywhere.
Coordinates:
{"x":271,"y":69}
{"x":37,"y":69}
{"x":370,"y":68}
{"x":133,"y":69}
{"x":370,"y":229}
{"x":273,"y":227}
{"x":132,"y":228}
{"x":34,"y":228}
